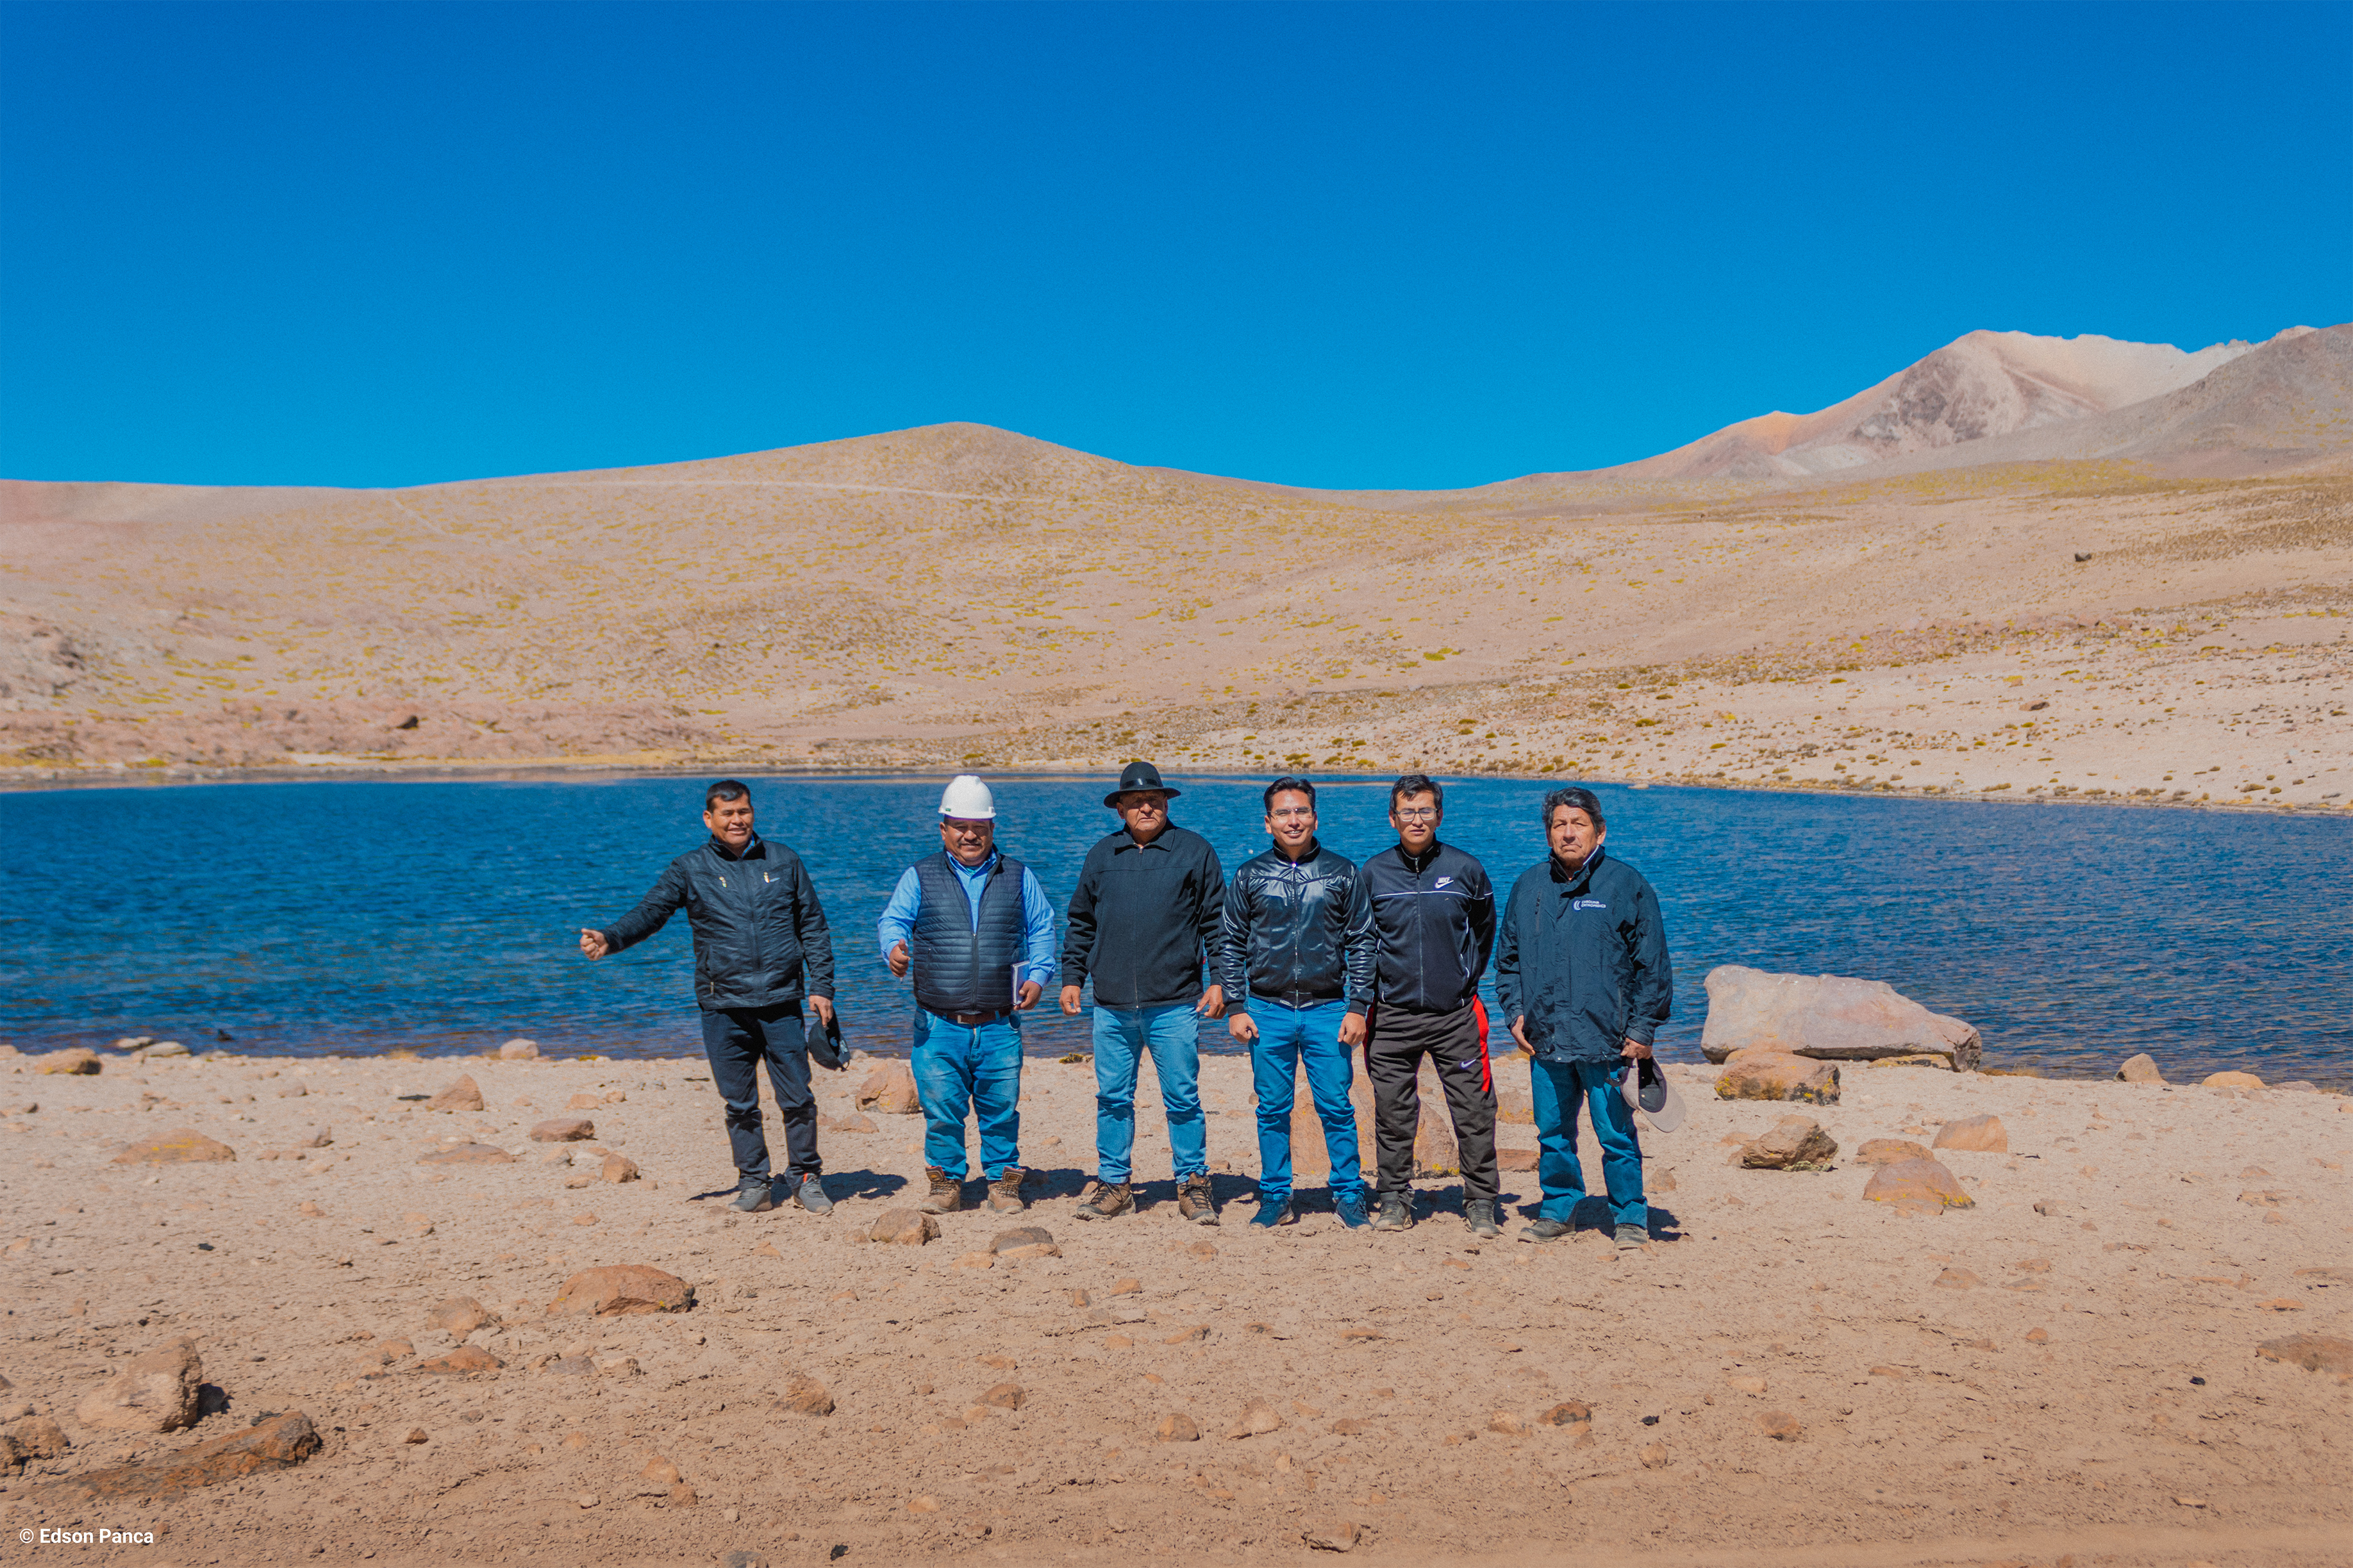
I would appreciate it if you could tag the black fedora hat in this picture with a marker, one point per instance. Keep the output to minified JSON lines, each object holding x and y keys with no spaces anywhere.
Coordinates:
{"x":1139,"y":775}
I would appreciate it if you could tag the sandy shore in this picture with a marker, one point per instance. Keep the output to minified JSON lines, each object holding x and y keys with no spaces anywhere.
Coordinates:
{"x":1999,"y":1385}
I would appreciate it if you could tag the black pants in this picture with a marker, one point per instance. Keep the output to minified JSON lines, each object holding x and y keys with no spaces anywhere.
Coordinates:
{"x":1393,"y":1056}
{"x":737,"y":1042}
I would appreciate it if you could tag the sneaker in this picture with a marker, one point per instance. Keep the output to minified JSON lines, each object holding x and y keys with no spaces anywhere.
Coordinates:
{"x":1351,"y":1210}
{"x":1544,"y":1230}
{"x":754,"y":1195}
{"x":1004,"y":1193}
{"x":1632,"y":1235}
{"x":1397,"y":1212}
{"x":1272,"y":1212}
{"x":1106,"y":1200}
{"x":1479,"y":1217}
{"x":946,"y":1195}
{"x":1193,"y":1201}
{"x":809,"y":1193}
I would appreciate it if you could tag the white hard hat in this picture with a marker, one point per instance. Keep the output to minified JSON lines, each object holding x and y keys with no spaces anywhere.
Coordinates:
{"x":968,"y":797}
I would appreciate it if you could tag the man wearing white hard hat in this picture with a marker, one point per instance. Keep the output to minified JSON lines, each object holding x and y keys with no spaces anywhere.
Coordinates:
{"x":974,"y":927}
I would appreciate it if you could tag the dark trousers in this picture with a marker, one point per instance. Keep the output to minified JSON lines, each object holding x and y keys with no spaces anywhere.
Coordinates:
{"x":1393,"y":1054}
{"x":737,"y":1042}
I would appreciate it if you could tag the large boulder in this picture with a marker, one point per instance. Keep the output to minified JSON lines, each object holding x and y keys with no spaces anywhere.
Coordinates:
{"x":1794,"y":1143}
{"x":271,"y":1444}
{"x":463,"y":1094}
{"x":891,"y":1088}
{"x":2142,"y":1068}
{"x":1917,"y":1186}
{"x":159,"y":1391}
{"x":1829,"y":1017}
{"x":1777,"y":1075}
{"x":79,"y":1059}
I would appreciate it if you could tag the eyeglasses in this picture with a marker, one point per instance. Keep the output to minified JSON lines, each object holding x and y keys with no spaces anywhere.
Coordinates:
{"x":1418,"y":814}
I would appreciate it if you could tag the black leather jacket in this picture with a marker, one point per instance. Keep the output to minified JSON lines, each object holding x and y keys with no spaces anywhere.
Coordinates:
{"x":1284,"y":935}
{"x":760,"y":936}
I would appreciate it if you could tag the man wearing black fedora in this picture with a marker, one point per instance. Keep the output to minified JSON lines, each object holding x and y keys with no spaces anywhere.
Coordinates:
{"x":1143,"y":917}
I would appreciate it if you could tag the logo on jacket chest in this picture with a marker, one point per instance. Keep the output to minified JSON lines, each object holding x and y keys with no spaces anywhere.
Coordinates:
{"x":1586,"y":904}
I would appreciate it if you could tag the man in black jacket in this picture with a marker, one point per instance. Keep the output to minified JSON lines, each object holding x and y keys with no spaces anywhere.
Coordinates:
{"x":1429,"y":915}
{"x":1582,"y":975}
{"x":1284,"y":954}
{"x":758,"y":929}
{"x":1144,"y":911}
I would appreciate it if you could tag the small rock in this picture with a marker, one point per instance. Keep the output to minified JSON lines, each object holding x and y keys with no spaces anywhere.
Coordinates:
{"x":2055,"y":1208}
{"x":1794,"y":1143}
{"x":1256,"y":1421}
{"x":158,"y":1391}
{"x":682,"y":1496}
{"x":461,"y":1095}
{"x":294,"y":1091}
{"x":1772,"y":1074}
{"x":1917,"y":1186}
{"x":317,"y":1137}
{"x":806,"y":1395}
{"x":587,"y":1499}
{"x":78,"y":1060}
{"x":1653,"y":1456}
{"x":2037,"y":1336}
{"x":618,"y":1168}
{"x":1503,"y":1421}
{"x":2230,"y":1081}
{"x":1890,"y":1152}
{"x":1339,"y":1535}
{"x":563,"y":1130}
{"x":1957,"y":1279}
{"x":661,"y":1472}
{"x":2313,"y":1352}
{"x":1983,"y":1134}
{"x":1178,"y":1427}
{"x":459,"y":1316}
{"x":904,"y":1228}
{"x":181,"y":1146}
{"x":1202,"y":1250}
{"x":1568,"y":1412}
{"x":1029,"y":1240}
{"x":926,"y":1504}
{"x":468,"y":1155}
{"x":519,"y":1051}
{"x":617,"y":1290}
{"x":1780,"y":1425}
{"x":1746,"y":1383}
{"x":1127,"y":1287}
{"x":1004,"y":1397}
{"x":2141,"y":1068}
{"x":891,"y":1089}
{"x":274,"y":1443}
{"x":975,"y":1260}
{"x":463,"y":1362}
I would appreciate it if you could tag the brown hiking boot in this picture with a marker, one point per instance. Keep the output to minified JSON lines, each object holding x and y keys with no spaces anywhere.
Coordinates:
{"x":1106,"y":1200}
{"x":946,"y":1195}
{"x":1004,"y":1193}
{"x":1193,"y":1200}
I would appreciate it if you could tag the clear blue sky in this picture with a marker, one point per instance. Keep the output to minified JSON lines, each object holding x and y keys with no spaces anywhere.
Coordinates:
{"x":1326,"y":244}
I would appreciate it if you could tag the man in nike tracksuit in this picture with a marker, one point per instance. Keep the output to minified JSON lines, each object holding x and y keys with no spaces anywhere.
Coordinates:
{"x":1431,"y":911}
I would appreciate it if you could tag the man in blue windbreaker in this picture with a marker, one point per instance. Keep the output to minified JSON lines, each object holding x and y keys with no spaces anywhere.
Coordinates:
{"x":974,"y":927}
{"x":1581,"y":970}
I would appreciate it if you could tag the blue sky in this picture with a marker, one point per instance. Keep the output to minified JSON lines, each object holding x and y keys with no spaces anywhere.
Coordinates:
{"x":1330,"y":244}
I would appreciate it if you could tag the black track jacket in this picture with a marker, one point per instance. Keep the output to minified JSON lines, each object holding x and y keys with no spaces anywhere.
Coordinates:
{"x":1433,"y":921}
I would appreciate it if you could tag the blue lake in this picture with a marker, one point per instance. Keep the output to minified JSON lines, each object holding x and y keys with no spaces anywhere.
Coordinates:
{"x":357,"y":916}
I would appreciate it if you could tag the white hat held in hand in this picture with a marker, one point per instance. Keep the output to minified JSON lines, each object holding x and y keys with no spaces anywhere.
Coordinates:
{"x":1647,"y":1090}
{"x":968,"y":798}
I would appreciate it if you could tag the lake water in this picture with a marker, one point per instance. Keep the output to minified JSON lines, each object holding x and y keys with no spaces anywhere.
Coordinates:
{"x":357,"y":916}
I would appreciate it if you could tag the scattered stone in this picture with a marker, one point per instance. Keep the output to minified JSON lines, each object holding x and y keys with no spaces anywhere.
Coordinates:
{"x":519,"y":1051}
{"x":463,"y":1095}
{"x":1958,"y":1279}
{"x":975,"y":1260}
{"x":2141,"y":1068}
{"x":904,"y":1228}
{"x":563,"y":1130}
{"x":1653,"y":1456}
{"x":890,"y":1089}
{"x":1024,"y":1241}
{"x":682,"y":1496}
{"x":926,"y":1504}
{"x":618,"y":1168}
{"x":2037,"y":1336}
{"x":2055,"y":1208}
{"x":1529,"y":1160}
{"x":1506,"y":1423}
{"x":1917,"y":1186}
{"x":1827,"y":1018}
{"x":1004,"y":1397}
{"x":1890,"y":1152}
{"x":1349,"y":1426}
{"x":2230,"y":1081}
{"x":1202,"y":1250}
{"x":2265,"y":1198}
{"x":856,"y":1121}
{"x":159,"y":1391}
{"x":661,"y":1472}
{"x":317,"y":1137}
{"x":1772,"y":1074}
{"x":31,"y":1437}
{"x":1127,"y":1287}
{"x":621,"y":1289}
{"x":2313,"y":1352}
{"x":463,"y":1362}
{"x":1983,"y":1134}
{"x":1746,"y":1383}
{"x":468,"y":1155}
{"x":1780,"y":1425}
{"x":1794,"y":1143}
{"x":1256,"y":1421}
{"x":180,"y":1146}
{"x":459,"y":1316}
{"x":272,"y":1444}
{"x":1340,"y":1535}
{"x":77,"y":1061}
{"x":806,"y":1395}
{"x":1568,"y":1412}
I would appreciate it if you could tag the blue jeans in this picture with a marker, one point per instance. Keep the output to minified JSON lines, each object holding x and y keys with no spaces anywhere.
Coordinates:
{"x":959,"y":1069}
{"x":1173,"y":1035}
{"x":1288,"y":1039}
{"x":1555,"y":1087}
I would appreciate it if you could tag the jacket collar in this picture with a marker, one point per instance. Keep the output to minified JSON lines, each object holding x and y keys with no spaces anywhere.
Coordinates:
{"x":752,"y":846}
{"x":1568,"y":880}
{"x":1417,"y":864}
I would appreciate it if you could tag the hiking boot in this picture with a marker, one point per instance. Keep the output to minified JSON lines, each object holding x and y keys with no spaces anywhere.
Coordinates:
{"x":1193,"y":1200}
{"x":1351,"y":1210}
{"x":1272,"y":1212}
{"x":1004,"y":1193}
{"x":1632,"y":1235}
{"x":1106,"y":1200}
{"x":809,"y":1193}
{"x":1397,"y":1212}
{"x":1479,"y":1217}
{"x":946,"y":1195}
{"x":754,"y":1195}
{"x":1544,"y":1230}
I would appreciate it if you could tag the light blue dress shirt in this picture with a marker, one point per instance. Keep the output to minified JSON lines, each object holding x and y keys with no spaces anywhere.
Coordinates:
{"x":898,"y":921}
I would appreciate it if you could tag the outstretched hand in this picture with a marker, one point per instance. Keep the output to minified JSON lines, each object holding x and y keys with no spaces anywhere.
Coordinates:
{"x":897,"y":959}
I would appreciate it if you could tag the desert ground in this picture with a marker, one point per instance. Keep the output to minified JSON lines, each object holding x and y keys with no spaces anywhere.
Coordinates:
{"x":2065,"y":1371}
{"x":2146,"y":603}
